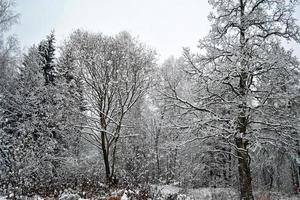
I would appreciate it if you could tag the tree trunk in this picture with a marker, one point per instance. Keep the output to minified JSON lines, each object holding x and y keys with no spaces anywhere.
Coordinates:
{"x":105,"y":158}
{"x":157,"y":153}
{"x":245,"y":180}
{"x":244,"y":160}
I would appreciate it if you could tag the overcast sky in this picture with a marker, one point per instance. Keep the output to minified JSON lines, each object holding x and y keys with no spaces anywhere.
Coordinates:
{"x":166,"y":25}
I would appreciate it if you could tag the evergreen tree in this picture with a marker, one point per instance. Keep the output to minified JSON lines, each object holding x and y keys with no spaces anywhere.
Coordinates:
{"x":47,"y":51}
{"x":40,"y":124}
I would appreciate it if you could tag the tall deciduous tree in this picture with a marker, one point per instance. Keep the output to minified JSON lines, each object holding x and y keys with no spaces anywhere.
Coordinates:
{"x":8,"y":48}
{"x":114,"y":70}
{"x":243,"y":79}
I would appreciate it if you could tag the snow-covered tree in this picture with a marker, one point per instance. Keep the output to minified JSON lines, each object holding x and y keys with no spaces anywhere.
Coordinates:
{"x":243,"y":77}
{"x":8,"y":46}
{"x":47,"y":52}
{"x":8,"y":60}
{"x":114,"y":70}
{"x":41,"y":125}
{"x":21,"y":125}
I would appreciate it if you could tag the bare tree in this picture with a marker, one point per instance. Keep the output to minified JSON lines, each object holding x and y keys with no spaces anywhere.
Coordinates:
{"x":244,"y":80}
{"x":9,"y":48}
{"x":115,"y":71}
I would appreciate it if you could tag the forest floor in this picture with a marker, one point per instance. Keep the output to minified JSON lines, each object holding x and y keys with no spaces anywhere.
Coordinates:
{"x":214,"y":193}
{"x":169,"y":192}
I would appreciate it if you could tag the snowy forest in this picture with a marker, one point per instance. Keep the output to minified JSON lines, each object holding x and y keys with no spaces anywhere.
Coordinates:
{"x":97,"y":117}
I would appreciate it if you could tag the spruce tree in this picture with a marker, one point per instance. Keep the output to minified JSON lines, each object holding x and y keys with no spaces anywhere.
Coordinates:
{"x":47,"y":51}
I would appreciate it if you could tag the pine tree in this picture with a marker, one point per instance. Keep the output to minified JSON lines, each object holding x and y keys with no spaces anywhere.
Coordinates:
{"x":71,"y":88}
{"x":39,"y":123}
{"x":47,"y":51}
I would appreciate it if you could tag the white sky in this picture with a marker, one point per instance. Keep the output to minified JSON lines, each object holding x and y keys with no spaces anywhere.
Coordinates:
{"x":166,"y":25}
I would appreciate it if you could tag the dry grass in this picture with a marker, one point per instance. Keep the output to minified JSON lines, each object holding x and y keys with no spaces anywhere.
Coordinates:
{"x":113,"y":198}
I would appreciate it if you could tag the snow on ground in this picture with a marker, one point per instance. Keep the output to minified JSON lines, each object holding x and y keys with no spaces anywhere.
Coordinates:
{"x":210,"y":193}
{"x":166,"y":191}
{"x":195,"y":194}
{"x":63,"y":197}
{"x":68,"y":196}
{"x":24,"y":198}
